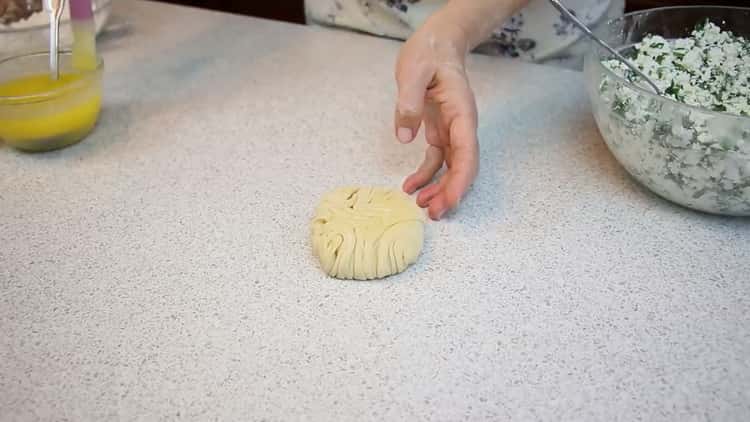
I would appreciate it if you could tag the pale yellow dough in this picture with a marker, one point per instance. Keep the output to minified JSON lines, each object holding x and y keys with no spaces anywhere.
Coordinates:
{"x":366,"y":233}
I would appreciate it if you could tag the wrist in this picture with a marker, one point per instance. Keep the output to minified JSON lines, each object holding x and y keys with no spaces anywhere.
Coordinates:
{"x":451,"y":32}
{"x":446,"y":38}
{"x":473,"y":21}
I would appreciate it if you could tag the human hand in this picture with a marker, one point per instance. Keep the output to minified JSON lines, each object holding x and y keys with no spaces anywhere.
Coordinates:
{"x":433,"y":88}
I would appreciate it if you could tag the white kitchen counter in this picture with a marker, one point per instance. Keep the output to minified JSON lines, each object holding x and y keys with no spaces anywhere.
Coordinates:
{"x":162,"y":268}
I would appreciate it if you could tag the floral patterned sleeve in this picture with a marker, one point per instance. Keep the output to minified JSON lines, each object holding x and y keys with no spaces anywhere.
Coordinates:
{"x":537,"y":33}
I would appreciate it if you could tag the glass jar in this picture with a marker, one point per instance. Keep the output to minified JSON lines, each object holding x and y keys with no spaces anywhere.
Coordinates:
{"x":39,"y":114}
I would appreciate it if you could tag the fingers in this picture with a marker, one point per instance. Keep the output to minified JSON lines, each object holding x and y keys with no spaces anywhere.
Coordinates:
{"x":412,"y":78}
{"x":462,"y":172}
{"x":434,"y":155}
{"x":426,"y":195}
{"x":431,"y":133}
{"x":433,"y":161}
{"x":436,"y":132}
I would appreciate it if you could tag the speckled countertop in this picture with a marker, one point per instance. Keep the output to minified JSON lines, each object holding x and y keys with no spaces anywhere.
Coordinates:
{"x":162,"y":268}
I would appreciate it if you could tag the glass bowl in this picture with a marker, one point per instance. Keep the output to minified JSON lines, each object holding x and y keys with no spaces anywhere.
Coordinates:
{"x":32,"y":34}
{"x":38,"y":115}
{"x":689,"y":155}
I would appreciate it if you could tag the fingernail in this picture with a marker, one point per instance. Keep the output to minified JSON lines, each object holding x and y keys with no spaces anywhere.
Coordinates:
{"x":404,"y":134}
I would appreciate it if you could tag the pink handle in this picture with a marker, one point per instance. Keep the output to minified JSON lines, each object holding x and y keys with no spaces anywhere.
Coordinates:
{"x":81,"y":10}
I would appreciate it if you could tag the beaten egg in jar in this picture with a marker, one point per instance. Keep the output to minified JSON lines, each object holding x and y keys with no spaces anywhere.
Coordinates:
{"x":38,"y":113}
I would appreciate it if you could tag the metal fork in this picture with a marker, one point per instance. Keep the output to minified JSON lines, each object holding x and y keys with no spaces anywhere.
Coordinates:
{"x":55,"y":9}
{"x":582,"y":26}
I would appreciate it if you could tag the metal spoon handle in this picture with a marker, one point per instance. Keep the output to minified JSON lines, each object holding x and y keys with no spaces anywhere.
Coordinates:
{"x":582,"y":26}
{"x":55,"y":9}
{"x":54,"y":56}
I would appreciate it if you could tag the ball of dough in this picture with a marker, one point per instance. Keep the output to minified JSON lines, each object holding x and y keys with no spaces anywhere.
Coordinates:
{"x":366,"y":233}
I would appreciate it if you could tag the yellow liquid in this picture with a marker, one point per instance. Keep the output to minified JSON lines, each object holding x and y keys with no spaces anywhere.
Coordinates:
{"x":51,"y":123}
{"x":84,"y":46}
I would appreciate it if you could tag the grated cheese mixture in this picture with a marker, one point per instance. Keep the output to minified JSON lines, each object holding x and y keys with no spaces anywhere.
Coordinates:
{"x":692,"y":156}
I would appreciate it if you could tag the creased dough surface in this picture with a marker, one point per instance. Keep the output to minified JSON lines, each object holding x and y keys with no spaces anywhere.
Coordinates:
{"x":366,"y":233}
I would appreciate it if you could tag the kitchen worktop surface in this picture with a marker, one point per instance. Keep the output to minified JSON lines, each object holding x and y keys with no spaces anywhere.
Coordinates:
{"x":162,"y":268}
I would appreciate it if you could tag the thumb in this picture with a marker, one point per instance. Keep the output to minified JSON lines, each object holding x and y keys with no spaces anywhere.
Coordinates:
{"x":412,"y":80}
